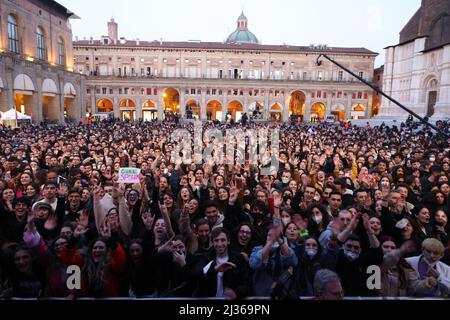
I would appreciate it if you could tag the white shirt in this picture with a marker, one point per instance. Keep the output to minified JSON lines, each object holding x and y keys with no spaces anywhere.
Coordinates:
{"x":219,"y":292}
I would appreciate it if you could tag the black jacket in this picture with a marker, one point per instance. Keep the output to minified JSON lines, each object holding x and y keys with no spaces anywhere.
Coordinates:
{"x":236,"y":279}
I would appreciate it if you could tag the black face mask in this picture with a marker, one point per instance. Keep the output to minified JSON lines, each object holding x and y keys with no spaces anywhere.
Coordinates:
{"x":257,"y":215}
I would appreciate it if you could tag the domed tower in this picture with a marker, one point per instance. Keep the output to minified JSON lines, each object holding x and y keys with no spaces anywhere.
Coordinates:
{"x":242,"y":34}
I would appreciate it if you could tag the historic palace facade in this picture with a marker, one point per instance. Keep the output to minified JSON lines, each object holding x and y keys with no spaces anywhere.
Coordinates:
{"x":137,"y":79}
{"x":36,"y":62}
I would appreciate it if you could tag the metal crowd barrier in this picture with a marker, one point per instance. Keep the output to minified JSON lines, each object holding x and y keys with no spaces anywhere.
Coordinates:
{"x":222,"y":299}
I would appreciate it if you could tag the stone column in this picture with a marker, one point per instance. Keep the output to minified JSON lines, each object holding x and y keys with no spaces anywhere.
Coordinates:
{"x":161,"y":106}
{"x":369,"y":106}
{"x":60,"y":102}
{"x":116,"y":107}
{"x":267,"y":103}
{"x":307,"y":113}
{"x":139,"y":103}
{"x":37,"y":97}
{"x":348,"y":108}
{"x":203,"y":105}
{"x":9,"y":89}
{"x":182,"y":104}
{"x":94,"y":107}
{"x":224,"y":104}
{"x":329,"y":102}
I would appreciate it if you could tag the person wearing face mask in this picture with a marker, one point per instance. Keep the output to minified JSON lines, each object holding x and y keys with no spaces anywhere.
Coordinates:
{"x":286,"y":177}
{"x":351,"y":263}
{"x":429,"y":268}
{"x":309,"y":262}
{"x":270,"y":261}
{"x":318,"y":219}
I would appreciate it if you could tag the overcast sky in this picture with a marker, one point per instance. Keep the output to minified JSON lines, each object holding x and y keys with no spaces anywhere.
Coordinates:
{"x":373,"y":24}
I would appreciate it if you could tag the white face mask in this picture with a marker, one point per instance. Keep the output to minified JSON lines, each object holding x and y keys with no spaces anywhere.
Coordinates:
{"x":351,"y":255}
{"x":311,"y":252}
{"x":317,"y":219}
{"x":317,"y":198}
{"x":286,"y":221}
{"x":432,"y":159}
{"x":285,"y":180}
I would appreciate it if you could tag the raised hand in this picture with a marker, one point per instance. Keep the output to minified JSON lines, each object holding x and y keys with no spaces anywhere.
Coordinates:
{"x":97,"y":190}
{"x":63,"y":190}
{"x":105,"y":230}
{"x":355,"y":221}
{"x":234,"y":193}
{"x":167,"y":246}
{"x":79,"y":231}
{"x":83,"y":220}
{"x":366,"y":223}
{"x":148,"y":218}
{"x":179,"y":258}
{"x":277,"y":200}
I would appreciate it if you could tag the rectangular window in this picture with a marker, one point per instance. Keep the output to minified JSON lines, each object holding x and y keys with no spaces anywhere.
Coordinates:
{"x":192,"y":91}
{"x":320,"y":75}
{"x":111,"y":91}
{"x":340,"y":75}
{"x":120,"y":72}
{"x":124,"y":71}
{"x":149,"y":71}
{"x":120,"y":90}
{"x":361,"y":74}
{"x":213,"y":92}
{"x":305,"y":75}
{"x":88,"y":91}
{"x":98,"y":91}
{"x":359,"y":95}
{"x":319,"y":94}
{"x":149,"y":91}
{"x":103,"y":90}
{"x":125,"y":91}
{"x":365,"y":96}
{"x":61,"y":53}
{"x":220,"y":74}
{"x":155,"y":92}
{"x":132,"y":72}
{"x":40,"y":44}
{"x":13,"y":35}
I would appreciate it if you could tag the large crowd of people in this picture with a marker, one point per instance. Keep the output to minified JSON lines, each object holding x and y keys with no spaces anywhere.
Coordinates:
{"x":343,"y":200}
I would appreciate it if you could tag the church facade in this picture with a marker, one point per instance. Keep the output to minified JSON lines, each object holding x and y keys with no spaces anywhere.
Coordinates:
{"x":417,"y":70}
